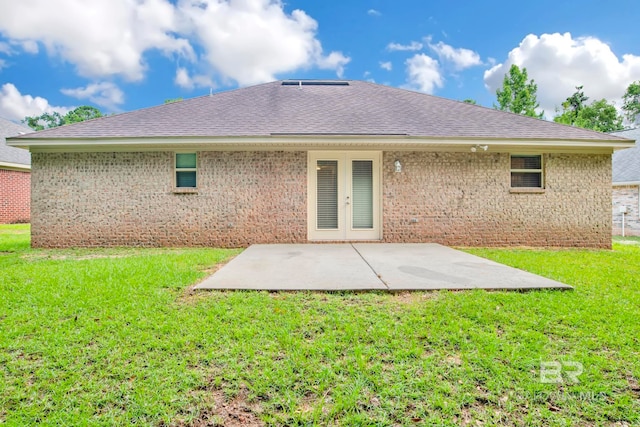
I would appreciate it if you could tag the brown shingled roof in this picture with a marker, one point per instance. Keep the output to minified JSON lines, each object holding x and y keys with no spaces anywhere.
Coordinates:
{"x":320,"y":108}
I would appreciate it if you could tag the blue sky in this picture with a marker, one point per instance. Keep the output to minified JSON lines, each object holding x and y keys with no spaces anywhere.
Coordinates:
{"x":121,"y":55}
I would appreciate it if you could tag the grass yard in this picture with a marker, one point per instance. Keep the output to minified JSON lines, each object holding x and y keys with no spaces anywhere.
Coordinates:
{"x":115,"y":337}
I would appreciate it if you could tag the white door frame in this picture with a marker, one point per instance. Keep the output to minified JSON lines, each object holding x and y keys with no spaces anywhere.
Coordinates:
{"x":344,"y":231}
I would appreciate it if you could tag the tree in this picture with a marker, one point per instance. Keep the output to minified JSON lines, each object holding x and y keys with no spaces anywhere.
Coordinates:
{"x":518,"y":94}
{"x":55,"y":119}
{"x":81,"y":114}
{"x":470,"y":101}
{"x":44,"y":121}
{"x":575,"y":102}
{"x":631,"y":102}
{"x":599,"y":115}
{"x":571,"y":107}
{"x":172,"y":100}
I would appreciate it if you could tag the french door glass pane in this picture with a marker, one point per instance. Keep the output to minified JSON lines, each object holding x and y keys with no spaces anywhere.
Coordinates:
{"x":327,"y":211}
{"x":362,"y":188}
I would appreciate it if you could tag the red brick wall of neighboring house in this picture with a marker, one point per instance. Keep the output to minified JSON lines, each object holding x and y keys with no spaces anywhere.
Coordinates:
{"x":110,"y":199}
{"x":629,"y":197}
{"x":15,"y":196}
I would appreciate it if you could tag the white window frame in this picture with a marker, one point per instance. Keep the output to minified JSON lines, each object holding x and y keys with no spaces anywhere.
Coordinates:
{"x":176,"y":169}
{"x":540,"y":171}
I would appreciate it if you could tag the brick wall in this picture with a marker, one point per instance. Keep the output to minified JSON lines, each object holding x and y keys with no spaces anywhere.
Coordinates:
{"x":15,"y":196}
{"x":106,"y":199}
{"x":464,"y":199}
{"x":626,"y":196}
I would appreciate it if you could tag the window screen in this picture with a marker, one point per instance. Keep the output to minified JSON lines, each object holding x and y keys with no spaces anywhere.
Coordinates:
{"x":526,"y":171}
{"x":186,"y":170}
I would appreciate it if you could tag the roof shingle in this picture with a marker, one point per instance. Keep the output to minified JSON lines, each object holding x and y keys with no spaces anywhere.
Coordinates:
{"x":626,"y":163}
{"x":13,"y":154}
{"x":359,"y":108}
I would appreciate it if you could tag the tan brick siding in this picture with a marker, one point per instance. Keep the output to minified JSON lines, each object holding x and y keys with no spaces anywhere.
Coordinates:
{"x":15,"y":196}
{"x":106,"y":199}
{"x":626,"y":196}
{"x":111,"y":199}
{"x":465,"y":199}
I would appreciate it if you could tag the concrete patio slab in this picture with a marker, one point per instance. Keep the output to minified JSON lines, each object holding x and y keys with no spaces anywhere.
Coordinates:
{"x":412,"y":266}
{"x":325,"y":267}
{"x":368,"y":266}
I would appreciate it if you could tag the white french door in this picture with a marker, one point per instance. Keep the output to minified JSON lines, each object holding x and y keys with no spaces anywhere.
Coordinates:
{"x":344,"y":195}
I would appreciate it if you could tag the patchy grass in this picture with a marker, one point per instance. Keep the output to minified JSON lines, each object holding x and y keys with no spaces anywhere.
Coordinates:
{"x":112,"y":337}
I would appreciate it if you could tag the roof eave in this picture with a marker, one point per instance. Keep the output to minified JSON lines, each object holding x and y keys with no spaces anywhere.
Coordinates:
{"x":625,"y":183}
{"x":314,"y":141}
{"x":15,"y":166}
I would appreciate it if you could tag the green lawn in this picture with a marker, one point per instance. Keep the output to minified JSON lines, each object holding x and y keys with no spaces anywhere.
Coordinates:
{"x":115,"y":337}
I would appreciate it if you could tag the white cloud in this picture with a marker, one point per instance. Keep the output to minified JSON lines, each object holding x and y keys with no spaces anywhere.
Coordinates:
{"x":185,"y":80}
{"x":100,"y":37}
{"x":423,"y":73}
{"x":15,"y":106}
{"x":413,"y":46}
{"x":373,"y":12}
{"x":460,"y":58}
{"x":334,"y":61}
{"x":246,"y":41}
{"x":386,"y":65}
{"x":558,"y":63}
{"x":30,"y":46}
{"x":252,"y":41}
{"x":104,"y":94}
{"x":5,"y":48}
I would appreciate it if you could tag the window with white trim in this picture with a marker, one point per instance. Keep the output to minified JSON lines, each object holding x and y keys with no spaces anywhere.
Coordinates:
{"x":186,"y":170}
{"x":526,"y":171}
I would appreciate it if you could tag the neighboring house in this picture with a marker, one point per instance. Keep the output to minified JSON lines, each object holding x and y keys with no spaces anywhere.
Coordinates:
{"x":305,"y":161}
{"x":626,"y":186}
{"x":15,"y":182}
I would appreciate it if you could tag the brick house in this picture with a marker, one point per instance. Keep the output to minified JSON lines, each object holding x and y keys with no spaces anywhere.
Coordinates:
{"x":15,"y":182}
{"x":626,"y":186}
{"x":300,"y":161}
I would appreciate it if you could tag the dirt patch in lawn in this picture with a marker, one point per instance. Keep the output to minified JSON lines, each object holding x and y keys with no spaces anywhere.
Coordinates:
{"x":413,"y":297}
{"x":69,"y":257}
{"x":95,"y":253}
{"x":222,"y":412}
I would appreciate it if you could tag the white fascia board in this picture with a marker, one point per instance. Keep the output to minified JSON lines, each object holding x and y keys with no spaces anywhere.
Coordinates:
{"x":306,"y":142}
{"x":626,"y":183}
{"x":15,"y":166}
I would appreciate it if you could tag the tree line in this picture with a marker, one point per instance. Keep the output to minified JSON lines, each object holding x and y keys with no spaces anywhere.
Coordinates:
{"x":519,"y":95}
